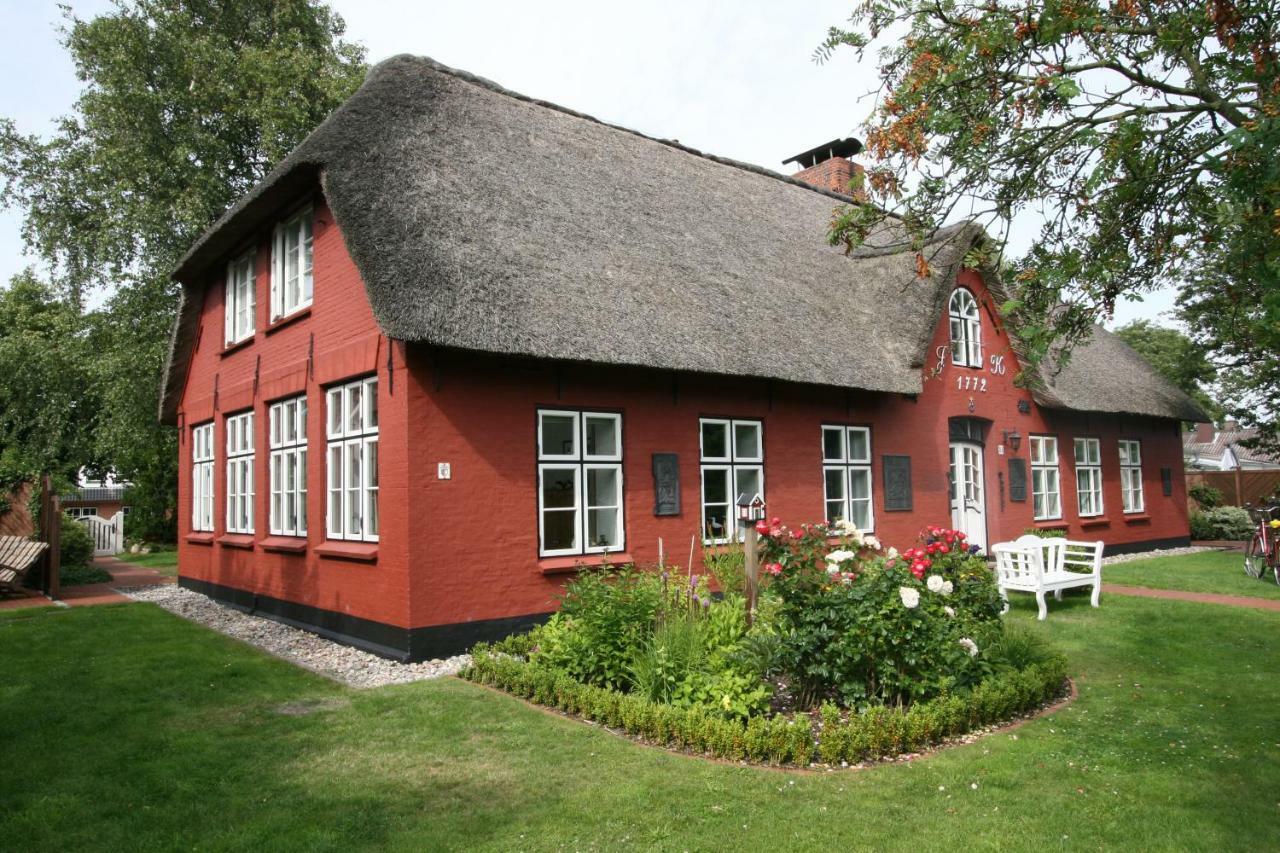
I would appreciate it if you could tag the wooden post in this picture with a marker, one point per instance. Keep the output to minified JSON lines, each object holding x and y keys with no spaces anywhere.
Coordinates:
{"x":51,"y":533}
{"x":751,"y":566}
{"x":1239,"y":490}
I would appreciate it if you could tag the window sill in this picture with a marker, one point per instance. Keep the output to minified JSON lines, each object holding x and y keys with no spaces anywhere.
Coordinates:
{"x":1136,"y":517}
{"x":289,"y":319}
{"x":236,"y":540}
{"x":1095,"y":521}
{"x":284,"y":544}
{"x":200,"y":537}
{"x":360,"y":552}
{"x":571,"y":564}
{"x":237,"y":346}
{"x":1050,"y":524}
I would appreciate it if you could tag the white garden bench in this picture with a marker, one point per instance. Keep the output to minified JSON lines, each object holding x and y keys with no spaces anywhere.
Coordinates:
{"x":1033,"y":564}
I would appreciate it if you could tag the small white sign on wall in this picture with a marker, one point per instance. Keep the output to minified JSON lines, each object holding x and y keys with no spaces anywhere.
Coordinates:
{"x":443,"y":471}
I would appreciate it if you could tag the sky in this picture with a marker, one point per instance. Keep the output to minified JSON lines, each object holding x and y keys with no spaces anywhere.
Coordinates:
{"x":733,"y":79}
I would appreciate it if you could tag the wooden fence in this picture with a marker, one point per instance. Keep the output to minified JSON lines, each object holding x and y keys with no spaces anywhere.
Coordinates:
{"x":1238,"y":487}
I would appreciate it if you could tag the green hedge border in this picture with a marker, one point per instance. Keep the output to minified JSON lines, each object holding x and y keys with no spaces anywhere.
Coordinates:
{"x":876,"y":734}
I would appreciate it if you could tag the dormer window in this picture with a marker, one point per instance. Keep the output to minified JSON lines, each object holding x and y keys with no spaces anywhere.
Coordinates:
{"x":291,"y":266}
{"x":240,"y":300}
{"x":966,"y":329}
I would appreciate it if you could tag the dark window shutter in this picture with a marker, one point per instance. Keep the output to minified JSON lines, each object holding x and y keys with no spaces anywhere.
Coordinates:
{"x":666,"y":484}
{"x":1017,"y":480}
{"x":897,"y":483}
{"x":1166,"y":480}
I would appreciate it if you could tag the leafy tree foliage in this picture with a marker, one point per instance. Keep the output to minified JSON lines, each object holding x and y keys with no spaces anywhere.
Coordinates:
{"x":1176,"y":357}
{"x":186,"y":104}
{"x":1144,"y":133}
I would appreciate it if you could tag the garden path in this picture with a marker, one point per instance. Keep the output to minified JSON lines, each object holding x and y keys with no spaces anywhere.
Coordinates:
{"x":123,"y":575}
{"x":1202,"y":597}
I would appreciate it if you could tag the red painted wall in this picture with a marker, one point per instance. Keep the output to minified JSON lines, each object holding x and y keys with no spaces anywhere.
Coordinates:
{"x":465,"y":548}
{"x":337,"y":339}
{"x":477,"y":557}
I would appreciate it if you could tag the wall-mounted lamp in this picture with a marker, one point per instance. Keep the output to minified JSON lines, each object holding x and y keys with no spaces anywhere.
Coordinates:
{"x":1013,"y":439}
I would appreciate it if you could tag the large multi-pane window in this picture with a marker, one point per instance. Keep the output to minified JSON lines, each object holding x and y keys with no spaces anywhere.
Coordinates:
{"x":732,"y":464}
{"x":240,"y":473}
{"x":240,"y":299}
{"x":352,"y":461}
{"x":288,"y":467}
{"x":1089,"y":476}
{"x":291,"y":283}
{"x":1131,"y":496}
{"x":966,"y":329}
{"x":1046,"y":497}
{"x":579,"y":482}
{"x":202,"y":477}
{"x":846,"y":472}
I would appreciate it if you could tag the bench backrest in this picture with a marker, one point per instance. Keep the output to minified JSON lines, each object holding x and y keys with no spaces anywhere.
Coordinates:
{"x":1026,"y":558}
{"x":17,"y":554}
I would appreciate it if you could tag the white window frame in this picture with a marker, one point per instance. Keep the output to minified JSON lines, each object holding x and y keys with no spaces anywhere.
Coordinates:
{"x":850,"y":467}
{"x":287,"y":467}
{"x":734,"y":464}
{"x":965,"y":324}
{"x":202,"y":477}
{"x":1132,"y":497}
{"x":284,"y":300}
{"x":1088,"y":464}
{"x":581,"y":462}
{"x":239,"y":507}
{"x":1044,"y":473}
{"x":241,"y":299}
{"x":351,"y":486}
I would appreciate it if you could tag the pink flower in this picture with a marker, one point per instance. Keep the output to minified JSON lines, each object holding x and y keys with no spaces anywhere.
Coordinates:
{"x":775,"y":522}
{"x":796,"y":534}
{"x":774,"y":569}
{"x":775,"y":531}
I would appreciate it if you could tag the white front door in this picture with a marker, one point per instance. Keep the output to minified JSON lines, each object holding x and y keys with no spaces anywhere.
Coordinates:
{"x":968,"y":503}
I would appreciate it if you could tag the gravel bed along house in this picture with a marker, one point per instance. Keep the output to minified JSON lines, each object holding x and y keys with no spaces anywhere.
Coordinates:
{"x":1166,"y":552}
{"x":350,"y":666}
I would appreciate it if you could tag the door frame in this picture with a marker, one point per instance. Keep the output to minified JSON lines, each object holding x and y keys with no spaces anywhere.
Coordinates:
{"x":980,"y":448}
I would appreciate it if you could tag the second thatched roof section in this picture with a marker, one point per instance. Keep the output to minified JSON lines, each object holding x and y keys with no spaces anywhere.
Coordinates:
{"x":485,"y":220}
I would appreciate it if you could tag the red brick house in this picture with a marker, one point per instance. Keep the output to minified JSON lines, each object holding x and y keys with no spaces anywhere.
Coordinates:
{"x":460,"y":342}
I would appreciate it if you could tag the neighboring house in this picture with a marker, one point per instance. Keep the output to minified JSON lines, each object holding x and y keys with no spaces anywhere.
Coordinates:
{"x":461,"y":342}
{"x":103,"y":498}
{"x":1208,"y":448}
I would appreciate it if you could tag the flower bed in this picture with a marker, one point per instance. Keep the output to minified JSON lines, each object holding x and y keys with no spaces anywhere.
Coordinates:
{"x":855,"y":652}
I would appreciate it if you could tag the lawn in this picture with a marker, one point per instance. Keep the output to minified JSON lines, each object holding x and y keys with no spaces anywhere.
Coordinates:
{"x":165,"y":562}
{"x":132,"y":729}
{"x":1208,"y":571}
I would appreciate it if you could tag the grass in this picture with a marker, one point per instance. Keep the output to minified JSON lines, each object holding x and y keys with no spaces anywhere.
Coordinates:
{"x":132,"y":729}
{"x":1207,"y":571}
{"x":165,"y":562}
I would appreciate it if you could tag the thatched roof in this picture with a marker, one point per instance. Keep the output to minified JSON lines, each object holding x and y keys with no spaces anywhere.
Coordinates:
{"x":484,"y":220}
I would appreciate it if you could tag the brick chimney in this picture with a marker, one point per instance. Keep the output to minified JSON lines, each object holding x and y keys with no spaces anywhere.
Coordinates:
{"x":1204,"y":433}
{"x":828,"y":167}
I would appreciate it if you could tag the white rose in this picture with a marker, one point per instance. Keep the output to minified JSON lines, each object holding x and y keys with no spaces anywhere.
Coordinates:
{"x":910,"y":597}
{"x":892,"y":553}
{"x":969,"y":646}
{"x":934,"y":583}
{"x":872,"y":542}
{"x":948,"y":611}
{"x":947,"y":587}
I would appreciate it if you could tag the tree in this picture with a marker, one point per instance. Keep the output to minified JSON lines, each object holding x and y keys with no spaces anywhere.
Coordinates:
{"x":48,"y":406}
{"x":1176,"y":357}
{"x":186,"y":105}
{"x":1144,"y":134}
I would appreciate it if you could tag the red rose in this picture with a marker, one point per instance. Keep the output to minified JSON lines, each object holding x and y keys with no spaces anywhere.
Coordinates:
{"x":944,"y":549}
{"x":762,"y":527}
{"x":775,"y":522}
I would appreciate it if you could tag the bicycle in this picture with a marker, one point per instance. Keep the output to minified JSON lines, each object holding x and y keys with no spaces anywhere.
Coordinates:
{"x":1263,"y":550}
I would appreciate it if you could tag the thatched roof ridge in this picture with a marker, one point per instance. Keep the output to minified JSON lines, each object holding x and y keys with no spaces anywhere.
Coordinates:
{"x":485,"y":220}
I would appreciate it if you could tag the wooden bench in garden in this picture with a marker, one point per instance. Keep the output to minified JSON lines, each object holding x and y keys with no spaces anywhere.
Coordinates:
{"x":1033,"y":564}
{"x":17,"y":556}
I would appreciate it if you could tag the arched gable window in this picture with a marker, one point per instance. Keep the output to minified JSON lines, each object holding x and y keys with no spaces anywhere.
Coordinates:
{"x":966,"y":329}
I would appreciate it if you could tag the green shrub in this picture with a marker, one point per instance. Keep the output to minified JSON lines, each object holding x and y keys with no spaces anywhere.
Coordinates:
{"x":82,"y":574}
{"x":663,"y":664}
{"x":1017,"y":648}
{"x":604,"y":617}
{"x":1227,"y":522}
{"x":1201,"y":527}
{"x":75,"y":544}
{"x":1207,"y":496}
{"x":875,"y":733}
{"x":1046,"y":532}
